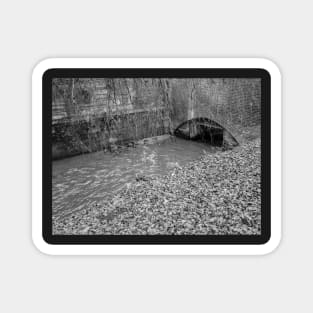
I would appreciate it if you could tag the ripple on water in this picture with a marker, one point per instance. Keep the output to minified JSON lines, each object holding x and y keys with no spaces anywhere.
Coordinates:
{"x":89,"y":178}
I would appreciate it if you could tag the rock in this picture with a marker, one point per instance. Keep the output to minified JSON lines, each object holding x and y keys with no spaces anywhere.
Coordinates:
{"x":218,"y":194}
{"x":141,"y":177}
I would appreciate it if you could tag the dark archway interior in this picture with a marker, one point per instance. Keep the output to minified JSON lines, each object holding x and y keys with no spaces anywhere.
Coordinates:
{"x":201,"y":129}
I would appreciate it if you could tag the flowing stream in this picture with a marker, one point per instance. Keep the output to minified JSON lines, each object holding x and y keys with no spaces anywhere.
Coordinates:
{"x":83,"y":180}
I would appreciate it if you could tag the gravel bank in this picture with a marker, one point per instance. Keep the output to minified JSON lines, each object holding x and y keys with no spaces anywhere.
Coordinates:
{"x":218,"y":194}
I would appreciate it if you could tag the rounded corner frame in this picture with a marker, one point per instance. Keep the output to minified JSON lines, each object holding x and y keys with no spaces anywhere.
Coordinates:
{"x":276,"y":154}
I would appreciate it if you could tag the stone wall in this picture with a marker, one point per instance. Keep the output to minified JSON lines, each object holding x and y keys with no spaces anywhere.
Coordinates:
{"x":92,"y":114}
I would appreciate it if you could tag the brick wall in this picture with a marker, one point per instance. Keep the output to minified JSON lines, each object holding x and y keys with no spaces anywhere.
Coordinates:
{"x":90,"y":114}
{"x":98,"y":95}
{"x":102,"y":112}
{"x":228,"y":101}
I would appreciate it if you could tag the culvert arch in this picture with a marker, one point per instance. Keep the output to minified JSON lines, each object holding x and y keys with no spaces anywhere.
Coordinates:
{"x":205,"y":129}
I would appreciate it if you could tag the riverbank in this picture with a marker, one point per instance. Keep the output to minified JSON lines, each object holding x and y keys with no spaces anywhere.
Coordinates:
{"x":218,"y":194}
{"x":85,"y":180}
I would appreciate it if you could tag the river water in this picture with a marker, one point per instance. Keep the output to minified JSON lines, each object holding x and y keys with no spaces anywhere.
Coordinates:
{"x":84,"y":180}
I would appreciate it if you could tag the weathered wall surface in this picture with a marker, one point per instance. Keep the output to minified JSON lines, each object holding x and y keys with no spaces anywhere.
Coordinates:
{"x":78,"y":98}
{"x":233,"y":103}
{"x":91,"y":114}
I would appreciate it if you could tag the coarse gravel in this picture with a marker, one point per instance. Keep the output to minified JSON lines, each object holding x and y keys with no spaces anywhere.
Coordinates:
{"x":218,"y":194}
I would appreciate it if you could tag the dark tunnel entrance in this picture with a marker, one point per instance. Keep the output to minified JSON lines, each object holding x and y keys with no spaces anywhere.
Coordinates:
{"x":205,"y":130}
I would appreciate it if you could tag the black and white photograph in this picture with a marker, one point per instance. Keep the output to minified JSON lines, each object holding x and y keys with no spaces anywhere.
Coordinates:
{"x":156,"y":156}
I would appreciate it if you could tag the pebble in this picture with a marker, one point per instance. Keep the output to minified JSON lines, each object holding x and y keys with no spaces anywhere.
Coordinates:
{"x":218,"y":194}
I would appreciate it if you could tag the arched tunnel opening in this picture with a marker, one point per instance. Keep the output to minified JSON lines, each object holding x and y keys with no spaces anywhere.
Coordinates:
{"x":205,"y":130}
